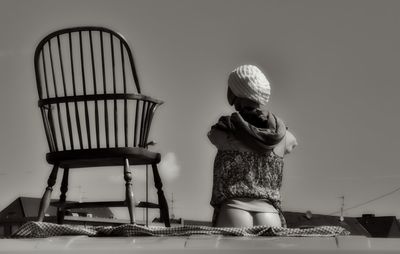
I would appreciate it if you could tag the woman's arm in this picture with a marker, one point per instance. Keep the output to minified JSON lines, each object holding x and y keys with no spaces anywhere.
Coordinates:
{"x":217,"y":137}
{"x":291,"y":142}
{"x":287,"y":144}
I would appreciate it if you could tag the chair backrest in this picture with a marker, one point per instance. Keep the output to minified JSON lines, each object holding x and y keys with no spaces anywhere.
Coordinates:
{"x":89,"y":92}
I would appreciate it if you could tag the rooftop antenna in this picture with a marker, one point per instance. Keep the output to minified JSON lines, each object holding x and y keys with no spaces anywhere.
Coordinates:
{"x":172,"y":206}
{"x":342,"y":209}
{"x":80,"y":194}
{"x":151,"y":143}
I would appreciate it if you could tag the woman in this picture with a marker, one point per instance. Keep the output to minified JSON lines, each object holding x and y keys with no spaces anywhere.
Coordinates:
{"x":251,"y":145}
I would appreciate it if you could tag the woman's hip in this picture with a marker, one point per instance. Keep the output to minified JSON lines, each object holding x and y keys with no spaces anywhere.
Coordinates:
{"x":251,"y":205}
{"x":247,"y":213}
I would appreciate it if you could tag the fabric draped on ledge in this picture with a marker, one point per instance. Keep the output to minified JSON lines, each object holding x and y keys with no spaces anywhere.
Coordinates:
{"x":45,"y":229}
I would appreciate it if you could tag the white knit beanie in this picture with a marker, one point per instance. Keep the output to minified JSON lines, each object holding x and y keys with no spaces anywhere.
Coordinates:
{"x":248,"y":81}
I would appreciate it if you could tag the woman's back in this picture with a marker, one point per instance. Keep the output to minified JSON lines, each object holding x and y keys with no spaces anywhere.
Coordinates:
{"x":248,"y":166}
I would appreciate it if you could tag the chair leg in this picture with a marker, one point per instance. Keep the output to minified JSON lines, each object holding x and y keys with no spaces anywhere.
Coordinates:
{"x":63,"y":196}
{"x":45,"y":201}
{"x":129,"y":197}
{"x":162,"y":202}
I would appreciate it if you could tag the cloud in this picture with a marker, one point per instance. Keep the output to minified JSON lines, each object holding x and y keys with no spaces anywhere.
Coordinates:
{"x":168,"y":168}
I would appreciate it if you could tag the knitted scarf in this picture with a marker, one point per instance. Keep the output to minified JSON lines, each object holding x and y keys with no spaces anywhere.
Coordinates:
{"x":257,"y":130}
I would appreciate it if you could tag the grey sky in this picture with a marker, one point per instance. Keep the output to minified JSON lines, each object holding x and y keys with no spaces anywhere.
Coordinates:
{"x":333,"y":68}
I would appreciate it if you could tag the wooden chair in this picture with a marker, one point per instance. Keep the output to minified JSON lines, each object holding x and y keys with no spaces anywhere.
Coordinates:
{"x":93,"y":111}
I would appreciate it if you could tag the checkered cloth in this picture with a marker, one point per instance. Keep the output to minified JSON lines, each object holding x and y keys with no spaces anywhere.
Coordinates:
{"x":44,"y":229}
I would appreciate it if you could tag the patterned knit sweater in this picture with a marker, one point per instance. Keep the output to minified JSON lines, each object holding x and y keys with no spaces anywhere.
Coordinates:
{"x":239,"y":174}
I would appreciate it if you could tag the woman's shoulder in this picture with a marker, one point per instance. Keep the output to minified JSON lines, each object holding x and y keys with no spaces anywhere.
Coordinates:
{"x":220,"y":133}
{"x":224,"y":140}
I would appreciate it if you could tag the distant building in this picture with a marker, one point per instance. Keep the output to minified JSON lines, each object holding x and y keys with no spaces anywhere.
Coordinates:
{"x":24,"y":209}
{"x":382,"y":226}
{"x":304,"y":220}
{"x":173,"y":221}
{"x":196,"y":223}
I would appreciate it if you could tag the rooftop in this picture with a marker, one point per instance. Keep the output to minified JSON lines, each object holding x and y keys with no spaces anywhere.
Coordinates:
{"x":200,"y":244}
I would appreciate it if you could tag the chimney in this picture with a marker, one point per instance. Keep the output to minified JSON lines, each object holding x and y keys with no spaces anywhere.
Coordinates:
{"x":368,"y":215}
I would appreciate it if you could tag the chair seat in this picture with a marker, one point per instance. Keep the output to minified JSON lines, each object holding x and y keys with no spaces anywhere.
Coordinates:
{"x":102,"y":157}
{"x":77,"y":205}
